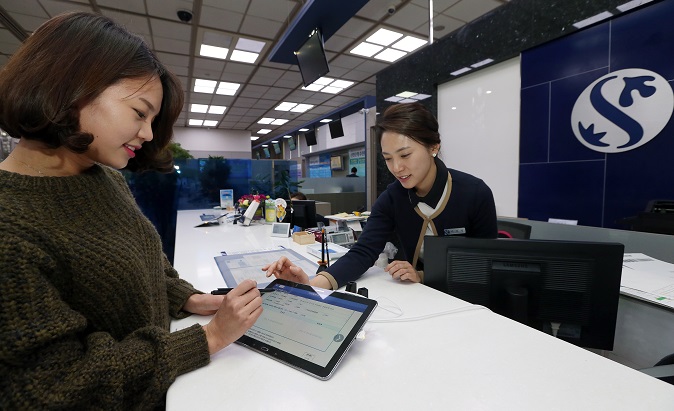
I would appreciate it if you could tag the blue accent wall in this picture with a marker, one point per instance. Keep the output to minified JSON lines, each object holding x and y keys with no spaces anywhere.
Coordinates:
{"x":559,"y":176}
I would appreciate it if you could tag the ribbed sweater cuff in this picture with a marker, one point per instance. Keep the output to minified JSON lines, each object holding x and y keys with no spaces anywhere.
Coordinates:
{"x":188,"y":349}
{"x":178,"y":293}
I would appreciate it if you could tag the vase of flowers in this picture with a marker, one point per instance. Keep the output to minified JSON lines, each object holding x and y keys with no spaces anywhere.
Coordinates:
{"x":245,"y":201}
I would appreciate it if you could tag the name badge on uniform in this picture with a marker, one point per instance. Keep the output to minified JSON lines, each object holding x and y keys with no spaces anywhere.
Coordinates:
{"x":455,"y":231}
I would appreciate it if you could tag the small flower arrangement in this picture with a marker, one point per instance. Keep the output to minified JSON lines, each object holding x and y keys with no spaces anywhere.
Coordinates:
{"x":246,"y":199}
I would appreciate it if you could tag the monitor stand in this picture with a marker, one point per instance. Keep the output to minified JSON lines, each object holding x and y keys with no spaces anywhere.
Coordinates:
{"x":518,"y":304}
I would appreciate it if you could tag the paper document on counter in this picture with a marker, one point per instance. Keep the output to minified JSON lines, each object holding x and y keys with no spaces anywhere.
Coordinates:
{"x":240,"y":266}
{"x":648,"y":278}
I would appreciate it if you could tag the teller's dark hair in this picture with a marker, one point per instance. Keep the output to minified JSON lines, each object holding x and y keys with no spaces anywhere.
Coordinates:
{"x":68,"y":62}
{"x":409,"y":119}
{"x":298,"y":196}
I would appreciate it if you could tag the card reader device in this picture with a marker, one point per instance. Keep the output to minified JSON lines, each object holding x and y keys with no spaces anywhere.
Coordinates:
{"x":341,"y":238}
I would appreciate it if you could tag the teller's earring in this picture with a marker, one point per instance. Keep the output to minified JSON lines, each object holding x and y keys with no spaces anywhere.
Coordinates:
{"x":435,"y":154}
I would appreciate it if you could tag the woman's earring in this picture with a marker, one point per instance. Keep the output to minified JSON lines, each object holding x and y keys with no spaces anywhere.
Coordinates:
{"x":435,"y":154}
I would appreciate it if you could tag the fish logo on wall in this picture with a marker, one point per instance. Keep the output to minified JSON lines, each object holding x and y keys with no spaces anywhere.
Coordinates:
{"x":622,"y":110}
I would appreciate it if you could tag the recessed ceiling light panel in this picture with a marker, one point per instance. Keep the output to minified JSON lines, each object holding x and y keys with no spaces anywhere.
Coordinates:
{"x":244,"y":56}
{"x":390,"y":55}
{"x":366,"y":49}
{"x":199,"y":108}
{"x":384,"y":37}
{"x":409,"y":44}
{"x":212,"y":51}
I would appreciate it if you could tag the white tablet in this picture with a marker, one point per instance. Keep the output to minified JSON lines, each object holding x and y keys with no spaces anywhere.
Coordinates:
{"x":280,"y":230}
{"x":307,"y":328}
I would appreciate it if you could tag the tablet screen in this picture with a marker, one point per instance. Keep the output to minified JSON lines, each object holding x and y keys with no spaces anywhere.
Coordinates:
{"x":306,"y":328}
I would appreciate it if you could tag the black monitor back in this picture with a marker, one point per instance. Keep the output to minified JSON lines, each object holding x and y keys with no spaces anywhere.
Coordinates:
{"x":310,"y":137}
{"x":336,"y":129}
{"x":311,"y":58}
{"x":573,"y":283}
{"x":303,"y":214}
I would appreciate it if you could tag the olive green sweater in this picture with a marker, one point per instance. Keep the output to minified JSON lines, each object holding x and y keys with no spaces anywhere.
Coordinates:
{"x":86,"y":298}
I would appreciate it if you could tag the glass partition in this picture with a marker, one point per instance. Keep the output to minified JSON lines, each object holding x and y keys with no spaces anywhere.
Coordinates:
{"x":334,"y":185}
{"x":196,"y":184}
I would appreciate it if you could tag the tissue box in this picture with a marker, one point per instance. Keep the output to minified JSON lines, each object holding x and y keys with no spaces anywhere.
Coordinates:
{"x":302,"y":237}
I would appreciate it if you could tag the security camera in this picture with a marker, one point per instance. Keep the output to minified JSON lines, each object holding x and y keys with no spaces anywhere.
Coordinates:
{"x":185,"y":15}
{"x":391,"y":10}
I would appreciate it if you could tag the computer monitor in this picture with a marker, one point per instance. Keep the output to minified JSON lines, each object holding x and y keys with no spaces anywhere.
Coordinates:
{"x":303,"y":214}
{"x":310,"y":137}
{"x":541,"y":283}
{"x":336,"y":129}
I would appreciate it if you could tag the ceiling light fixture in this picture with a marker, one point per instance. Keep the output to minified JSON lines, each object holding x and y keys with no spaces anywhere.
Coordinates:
{"x":204,"y":86}
{"x":294,"y":107}
{"x":460,"y":71}
{"x":199,"y":108}
{"x":245,"y":50}
{"x":328,"y":85}
{"x":244,"y":56}
{"x":384,"y":37}
{"x":407,"y":97}
{"x":217,"y":109}
{"x":481,"y":63}
{"x":213,"y":51}
{"x":227,"y":88}
{"x":205,"y":108}
{"x":390,"y":55}
{"x":366,"y":49}
{"x":387,"y":45}
{"x":591,"y":20}
{"x":632,"y":4}
{"x":301,"y":108}
{"x":209,"y":86}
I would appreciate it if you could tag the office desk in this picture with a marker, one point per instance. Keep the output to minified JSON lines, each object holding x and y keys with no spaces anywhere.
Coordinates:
{"x":422,"y":350}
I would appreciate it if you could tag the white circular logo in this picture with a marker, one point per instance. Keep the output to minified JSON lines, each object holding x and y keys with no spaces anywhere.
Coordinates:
{"x":622,"y":110}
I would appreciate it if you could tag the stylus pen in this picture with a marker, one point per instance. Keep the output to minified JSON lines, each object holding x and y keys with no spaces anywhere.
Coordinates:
{"x":223,"y":291}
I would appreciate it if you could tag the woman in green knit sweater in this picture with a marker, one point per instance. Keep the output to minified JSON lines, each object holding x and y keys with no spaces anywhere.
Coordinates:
{"x":86,"y":294}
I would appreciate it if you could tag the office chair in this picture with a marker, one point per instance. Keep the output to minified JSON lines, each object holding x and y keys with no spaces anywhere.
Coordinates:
{"x":663,"y":370}
{"x":509,"y":229}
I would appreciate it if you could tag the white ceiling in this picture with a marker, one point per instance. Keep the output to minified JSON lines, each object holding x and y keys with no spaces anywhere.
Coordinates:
{"x":264,"y":85}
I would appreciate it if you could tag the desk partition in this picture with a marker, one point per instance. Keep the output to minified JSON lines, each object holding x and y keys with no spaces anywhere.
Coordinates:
{"x":658,"y":246}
